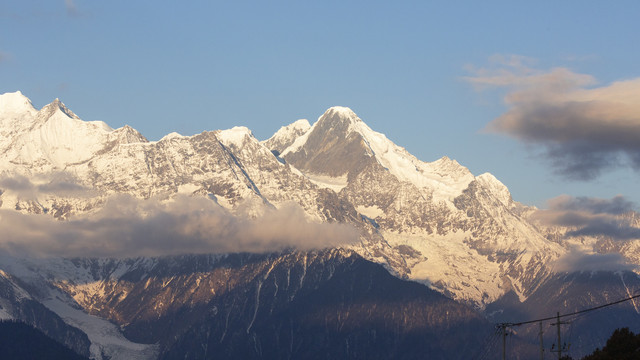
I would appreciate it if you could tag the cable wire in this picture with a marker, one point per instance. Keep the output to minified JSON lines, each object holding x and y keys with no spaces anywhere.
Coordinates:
{"x":571,"y":314}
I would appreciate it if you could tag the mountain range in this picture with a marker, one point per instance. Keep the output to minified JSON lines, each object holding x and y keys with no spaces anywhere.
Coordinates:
{"x":326,"y":240}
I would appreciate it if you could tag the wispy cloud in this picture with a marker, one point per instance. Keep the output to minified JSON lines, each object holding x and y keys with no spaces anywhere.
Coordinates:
{"x":4,"y":56}
{"x":127,"y":227}
{"x":592,"y":216}
{"x":71,"y":7}
{"x":583,"y":128}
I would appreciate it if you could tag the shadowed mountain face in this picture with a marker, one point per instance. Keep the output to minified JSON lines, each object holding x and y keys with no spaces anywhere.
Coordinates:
{"x":21,"y":341}
{"x":326,"y":304}
{"x":569,"y":293}
{"x":333,"y":147}
{"x":337,"y":307}
{"x":19,"y":300}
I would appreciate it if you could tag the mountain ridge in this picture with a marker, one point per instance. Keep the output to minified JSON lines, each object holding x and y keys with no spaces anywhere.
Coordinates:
{"x":400,"y":198}
{"x":434,"y":223}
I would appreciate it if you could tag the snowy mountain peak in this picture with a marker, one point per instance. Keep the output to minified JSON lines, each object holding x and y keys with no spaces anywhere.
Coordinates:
{"x":286,"y":135}
{"x":342,"y":111}
{"x":15,"y":102}
{"x":54,"y":137}
{"x":450,"y":167}
{"x":339,"y":117}
{"x":56,"y":106}
{"x":235,"y":136}
{"x":172,"y":135}
{"x":301,"y":125}
{"x":333,"y":146}
{"x":340,"y":143}
{"x":128,"y":135}
{"x":495,"y":187}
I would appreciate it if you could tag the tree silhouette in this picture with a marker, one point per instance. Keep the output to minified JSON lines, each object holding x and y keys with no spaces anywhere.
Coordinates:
{"x":622,"y":345}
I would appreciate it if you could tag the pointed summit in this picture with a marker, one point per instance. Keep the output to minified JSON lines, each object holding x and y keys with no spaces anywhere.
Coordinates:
{"x":338,"y":117}
{"x":334,"y":145}
{"x":341,"y":144}
{"x":284,"y":137}
{"x":495,"y":187}
{"x":128,"y":135}
{"x":234,"y":137}
{"x":341,"y":111}
{"x":54,"y":137}
{"x":56,"y":105}
{"x":15,"y":102}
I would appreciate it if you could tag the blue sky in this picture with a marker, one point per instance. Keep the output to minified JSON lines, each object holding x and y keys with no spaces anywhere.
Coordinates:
{"x":430,"y":75}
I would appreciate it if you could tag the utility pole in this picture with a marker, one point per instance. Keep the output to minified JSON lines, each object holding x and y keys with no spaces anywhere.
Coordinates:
{"x":504,"y":342}
{"x":561,"y":348}
{"x":559,"y":344}
{"x":503,"y":330}
{"x":541,"y":345}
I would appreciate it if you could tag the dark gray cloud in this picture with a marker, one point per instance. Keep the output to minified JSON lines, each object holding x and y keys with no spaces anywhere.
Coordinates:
{"x":578,"y":261}
{"x":582,"y":129}
{"x":586,"y":216}
{"x":614,"y":206}
{"x":127,"y":227}
{"x":612,"y":218}
{"x":610,"y":228}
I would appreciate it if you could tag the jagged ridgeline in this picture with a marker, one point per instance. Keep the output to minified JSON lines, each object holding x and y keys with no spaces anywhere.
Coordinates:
{"x":326,"y":240}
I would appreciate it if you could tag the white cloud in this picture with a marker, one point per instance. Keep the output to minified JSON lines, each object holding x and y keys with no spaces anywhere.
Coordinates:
{"x":127,"y":227}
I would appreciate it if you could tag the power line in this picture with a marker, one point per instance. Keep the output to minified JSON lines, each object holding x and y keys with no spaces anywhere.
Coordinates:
{"x":570,"y":314}
{"x":490,"y":343}
{"x":503,"y":326}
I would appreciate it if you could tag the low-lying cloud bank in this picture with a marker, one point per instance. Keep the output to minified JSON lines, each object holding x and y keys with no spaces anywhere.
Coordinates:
{"x":60,"y":184}
{"x":612,"y":218}
{"x":577,"y":260}
{"x":129,"y":227}
{"x":583,"y":128}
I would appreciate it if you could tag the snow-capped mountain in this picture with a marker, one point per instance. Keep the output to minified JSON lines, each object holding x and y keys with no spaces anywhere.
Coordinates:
{"x":418,"y":218}
{"x":435,"y":214}
{"x":415,"y":217}
{"x":53,"y":137}
{"x":287,"y":135}
{"x":436,"y":223}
